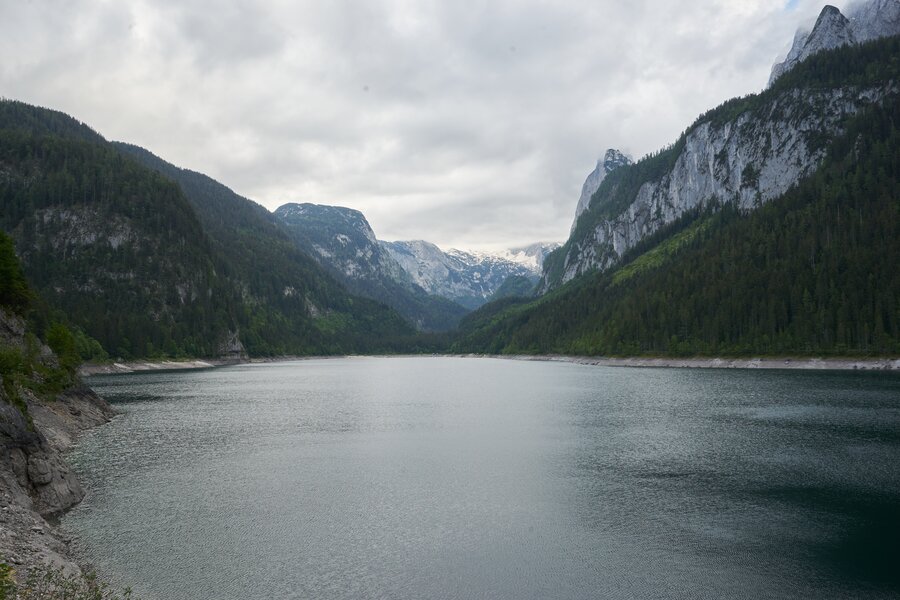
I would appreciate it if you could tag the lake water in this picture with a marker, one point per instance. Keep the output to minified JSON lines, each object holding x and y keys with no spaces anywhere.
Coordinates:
{"x":481,"y":478}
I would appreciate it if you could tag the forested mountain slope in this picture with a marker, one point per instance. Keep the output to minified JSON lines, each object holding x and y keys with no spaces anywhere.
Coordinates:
{"x":746,"y":152}
{"x":811,"y":271}
{"x":280,"y":284}
{"x":342,"y":241}
{"x":122,"y":253}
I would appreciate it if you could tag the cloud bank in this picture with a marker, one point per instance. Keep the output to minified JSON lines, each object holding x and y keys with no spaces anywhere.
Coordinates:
{"x":471,"y":125}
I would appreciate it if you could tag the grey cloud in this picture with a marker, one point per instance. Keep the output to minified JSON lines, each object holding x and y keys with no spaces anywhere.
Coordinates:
{"x":468,"y":124}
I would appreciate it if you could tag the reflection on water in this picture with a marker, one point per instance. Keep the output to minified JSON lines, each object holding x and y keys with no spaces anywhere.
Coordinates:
{"x":478,"y":478}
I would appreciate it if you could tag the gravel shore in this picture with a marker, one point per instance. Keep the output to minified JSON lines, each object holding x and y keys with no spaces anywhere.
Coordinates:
{"x":840,"y":364}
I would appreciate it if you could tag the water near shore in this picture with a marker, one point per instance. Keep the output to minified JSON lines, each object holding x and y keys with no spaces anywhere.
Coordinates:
{"x":476,"y":478}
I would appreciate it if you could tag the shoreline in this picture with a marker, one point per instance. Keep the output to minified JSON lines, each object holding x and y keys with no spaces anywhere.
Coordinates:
{"x":786,"y":362}
{"x":805,"y":363}
{"x":115,"y":368}
{"x":40,"y":487}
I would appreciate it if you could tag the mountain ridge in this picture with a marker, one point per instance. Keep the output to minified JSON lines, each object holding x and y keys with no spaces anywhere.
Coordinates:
{"x":747,"y":151}
{"x":343,"y":241}
{"x":867,"y":21}
{"x":468,"y":278}
{"x":122,"y":252}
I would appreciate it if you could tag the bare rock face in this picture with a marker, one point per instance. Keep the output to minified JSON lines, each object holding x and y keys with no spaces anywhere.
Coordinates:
{"x":468,"y":278}
{"x":868,"y":21}
{"x":31,"y":453}
{"x":612,"y":159}
{"x":875,"y":19}
{"x":747,"y":161}
{"x":832,"y":30}
{"x":36,"y":482}
{"x":232,"y":348}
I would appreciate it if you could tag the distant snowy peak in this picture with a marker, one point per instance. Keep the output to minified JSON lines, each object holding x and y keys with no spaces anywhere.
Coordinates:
{"x":467,"y":277}
{"x":531,"y":257}
{"x":868,"y":21}
{"x":612,"y":160}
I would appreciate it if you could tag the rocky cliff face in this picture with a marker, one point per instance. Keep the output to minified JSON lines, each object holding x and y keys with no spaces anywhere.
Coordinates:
{"x":613,"y":159}
{"x":747,"y":152}
{"x":746,"y":160}
{"x":342,"y":239}
{"x":35,"y":480}
{"x":406,"y":275}
{"x":868,"y":21}
{"x":468,"y":278}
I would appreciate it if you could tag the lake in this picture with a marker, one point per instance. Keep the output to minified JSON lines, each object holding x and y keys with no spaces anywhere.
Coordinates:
{"x":485,"y":478}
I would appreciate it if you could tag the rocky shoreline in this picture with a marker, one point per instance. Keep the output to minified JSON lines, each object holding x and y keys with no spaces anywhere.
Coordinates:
{"x":36,"y":483}
{"x":155,"y":365}
{"x":786,"y":362}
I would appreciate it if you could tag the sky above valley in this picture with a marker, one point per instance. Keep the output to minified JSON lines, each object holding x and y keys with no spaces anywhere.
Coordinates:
{"x":468,"y":124}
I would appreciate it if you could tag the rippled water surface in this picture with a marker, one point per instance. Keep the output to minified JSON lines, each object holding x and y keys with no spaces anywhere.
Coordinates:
{"x":480,"y":478}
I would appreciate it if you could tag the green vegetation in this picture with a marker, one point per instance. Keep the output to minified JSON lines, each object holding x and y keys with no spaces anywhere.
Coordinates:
{"x":138,"y":265}
{"x":275,"y":287}
{"x":111,"y":245}
{"x":23,"y":368}
{"x":14,"y":293}
{"x":813,"y":272}
{"x":874,"y":64}
{"x":659,"y":255}
{"x":323,"y":227}
{"x":515,"y":286}
{"x":52,"y":584}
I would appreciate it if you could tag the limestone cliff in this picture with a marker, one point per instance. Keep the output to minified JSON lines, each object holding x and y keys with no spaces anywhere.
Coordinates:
{"x":747,"y":152}
{"x":867,"y":21}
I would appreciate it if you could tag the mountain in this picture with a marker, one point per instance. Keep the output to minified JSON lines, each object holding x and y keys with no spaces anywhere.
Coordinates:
{"x":868,"y":21}
{"x":113,"y":246}
{"x":468,"y":278}
{"x":342,"y":240}
{"x":152,"y":260}
{"x":770,"y":227}
{"x":293,"y":291}
{"x":612,"y":160}
{"x":515,"y":286}
{"x":43,"y":409}
{"x":746,"y":152}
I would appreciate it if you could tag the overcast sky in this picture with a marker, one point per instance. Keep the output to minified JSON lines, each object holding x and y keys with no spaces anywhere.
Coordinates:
{"x":468,"y":124}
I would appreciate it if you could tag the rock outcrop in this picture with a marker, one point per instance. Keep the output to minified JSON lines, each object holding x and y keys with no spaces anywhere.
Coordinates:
{"x":612,"y":159}
{"x":343,"y":242}
{"x":468,"y":278}
{"x":748,"y":160}
{"x":36,"y":483}
{"x":746,"y":153}
{"x":868,"y":21}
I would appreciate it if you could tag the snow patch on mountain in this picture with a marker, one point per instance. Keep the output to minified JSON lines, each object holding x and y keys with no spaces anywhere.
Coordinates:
{"x":467,"y":277}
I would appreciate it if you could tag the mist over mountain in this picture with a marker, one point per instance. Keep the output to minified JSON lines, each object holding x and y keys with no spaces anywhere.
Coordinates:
{"x":865,"y":21}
